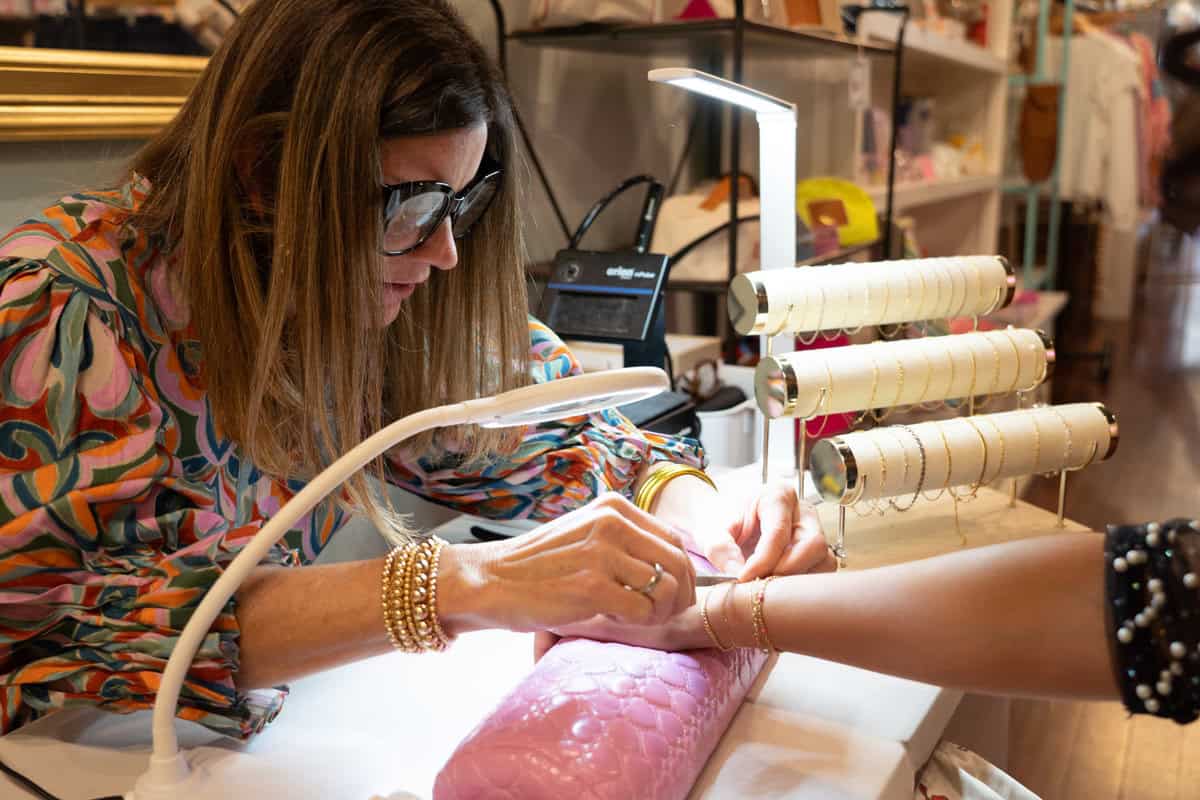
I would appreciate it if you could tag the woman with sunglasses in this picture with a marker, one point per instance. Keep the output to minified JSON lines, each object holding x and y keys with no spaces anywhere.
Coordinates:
{"x":326,"y":238}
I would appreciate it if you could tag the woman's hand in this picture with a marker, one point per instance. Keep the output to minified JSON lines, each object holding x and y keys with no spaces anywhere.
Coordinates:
{"x":681,"y":632}
{"x":572,"y":569}
{"x":780,"y":535}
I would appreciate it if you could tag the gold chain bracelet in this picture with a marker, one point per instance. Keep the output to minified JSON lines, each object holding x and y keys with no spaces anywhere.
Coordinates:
{"x":758,"y":616}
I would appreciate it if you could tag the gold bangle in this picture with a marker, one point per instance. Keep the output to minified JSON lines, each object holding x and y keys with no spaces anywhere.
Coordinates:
{"x":759,"y":619}
{"x":659,"y":477}
{"x":708,"y":628}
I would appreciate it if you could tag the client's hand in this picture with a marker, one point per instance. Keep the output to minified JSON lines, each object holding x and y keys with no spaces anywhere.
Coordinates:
{"x":597,"y":560}
{"x":781,"y":535}
{"x":769,"y":533}
{"x":681,"y":632}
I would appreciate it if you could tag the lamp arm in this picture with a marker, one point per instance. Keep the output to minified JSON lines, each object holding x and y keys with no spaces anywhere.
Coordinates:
{"x":166,"y":764}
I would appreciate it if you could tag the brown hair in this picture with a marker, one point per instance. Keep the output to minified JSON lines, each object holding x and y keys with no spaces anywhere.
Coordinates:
{"x":267,"y":184}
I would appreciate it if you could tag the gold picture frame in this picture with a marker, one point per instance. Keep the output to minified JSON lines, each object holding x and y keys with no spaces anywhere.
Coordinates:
{"x":77,"y":94}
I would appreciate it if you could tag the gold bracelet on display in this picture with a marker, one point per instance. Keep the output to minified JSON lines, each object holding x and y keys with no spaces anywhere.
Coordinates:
{"x":995,"y":387}
{"x":899,"y":381}
{"x":659,"y":477}
{"x":928,"y":376}
{"x":409,"y":597}
{"x":1067,"y":451}
{"x":973,"y":490}
{"x":920,"y":477}
{"x":1012,"y":387}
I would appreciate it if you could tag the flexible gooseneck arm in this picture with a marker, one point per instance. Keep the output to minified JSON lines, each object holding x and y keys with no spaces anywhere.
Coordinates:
{"x":166,"y":763}
{"x":168,"y":775}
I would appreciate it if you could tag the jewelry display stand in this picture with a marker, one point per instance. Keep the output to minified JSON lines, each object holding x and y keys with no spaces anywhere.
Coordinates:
{"x":891,"y":467}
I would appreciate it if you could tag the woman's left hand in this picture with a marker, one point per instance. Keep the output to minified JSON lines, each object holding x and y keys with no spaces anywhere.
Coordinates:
{"x":779,"y":535}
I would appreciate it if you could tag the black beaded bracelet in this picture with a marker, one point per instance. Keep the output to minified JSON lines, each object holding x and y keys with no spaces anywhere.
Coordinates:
{"x":1154,"y":616}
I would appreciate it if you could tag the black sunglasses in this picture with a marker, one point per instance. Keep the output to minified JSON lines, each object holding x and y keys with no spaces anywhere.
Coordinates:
{"x":413,"y":211}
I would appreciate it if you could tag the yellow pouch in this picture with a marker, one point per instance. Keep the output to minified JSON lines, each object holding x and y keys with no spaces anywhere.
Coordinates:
{"x":858,"y":225}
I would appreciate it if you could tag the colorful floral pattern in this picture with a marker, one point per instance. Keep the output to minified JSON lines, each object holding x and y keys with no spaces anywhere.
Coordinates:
{"x":119,"y":504}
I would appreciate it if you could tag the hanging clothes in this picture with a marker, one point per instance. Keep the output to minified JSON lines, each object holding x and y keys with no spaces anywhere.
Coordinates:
{"x":1100,"y":158}
{"x":1103,"y":95}
{"x":1155,"y":122}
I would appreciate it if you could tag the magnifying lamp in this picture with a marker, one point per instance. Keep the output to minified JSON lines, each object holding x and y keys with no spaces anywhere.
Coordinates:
{"x":776,"y":155}
{"x":777,"y":215}
{"x":169,"y":774}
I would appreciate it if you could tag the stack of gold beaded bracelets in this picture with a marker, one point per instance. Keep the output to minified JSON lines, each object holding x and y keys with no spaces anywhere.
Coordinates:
{"x":409,"y":596}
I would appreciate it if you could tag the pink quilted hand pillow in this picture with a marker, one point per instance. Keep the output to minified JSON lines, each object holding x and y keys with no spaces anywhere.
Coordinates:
{"x":603,"y":721}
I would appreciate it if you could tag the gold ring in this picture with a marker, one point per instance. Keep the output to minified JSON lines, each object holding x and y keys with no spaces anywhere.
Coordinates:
{"x":648,"y":589}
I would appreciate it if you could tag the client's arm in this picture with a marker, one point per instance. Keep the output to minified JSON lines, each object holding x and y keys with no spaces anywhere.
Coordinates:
{"x":1023,"y":617}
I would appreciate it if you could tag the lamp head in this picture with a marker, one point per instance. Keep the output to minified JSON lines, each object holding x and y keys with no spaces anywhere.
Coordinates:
{"x":567,"y":397}
{"x":703,"y":83}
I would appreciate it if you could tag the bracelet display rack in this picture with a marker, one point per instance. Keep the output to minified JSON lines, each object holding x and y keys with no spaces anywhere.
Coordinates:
{"x":867,"y":470}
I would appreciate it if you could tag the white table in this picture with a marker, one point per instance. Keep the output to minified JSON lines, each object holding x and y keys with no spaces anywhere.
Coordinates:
{"x":383,"y":727}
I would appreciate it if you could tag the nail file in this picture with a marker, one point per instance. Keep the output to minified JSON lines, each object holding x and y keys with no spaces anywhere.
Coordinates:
{"x":713,"y":580}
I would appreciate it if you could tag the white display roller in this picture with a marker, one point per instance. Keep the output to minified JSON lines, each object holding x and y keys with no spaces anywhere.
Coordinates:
{"x":808,"y":383}
{"x":848,"y":296}
{"x":906,"y":460}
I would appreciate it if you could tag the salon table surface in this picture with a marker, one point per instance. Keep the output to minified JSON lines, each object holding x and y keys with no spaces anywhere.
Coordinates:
{"x":383,"y":727}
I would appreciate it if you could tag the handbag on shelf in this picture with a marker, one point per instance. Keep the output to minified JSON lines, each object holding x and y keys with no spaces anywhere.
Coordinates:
{"x":1039,"y":131}
{"x":693,"y":229}
{"x":559,"y":13}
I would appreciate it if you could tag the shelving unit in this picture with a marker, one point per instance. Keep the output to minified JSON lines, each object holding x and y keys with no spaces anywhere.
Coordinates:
{"x":909,"y":196}
{"x":926,"y":51}
{"x":1043,"y":274}
{"x":706,"y":43}
{"x":969,"y":86}
{"x":694,"y":37}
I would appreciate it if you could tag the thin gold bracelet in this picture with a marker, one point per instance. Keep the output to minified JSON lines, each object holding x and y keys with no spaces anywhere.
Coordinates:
{"x":708,"y":628}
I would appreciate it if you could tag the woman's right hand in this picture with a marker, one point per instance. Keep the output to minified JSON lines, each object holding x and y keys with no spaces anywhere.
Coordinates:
{"x":568,"y":571}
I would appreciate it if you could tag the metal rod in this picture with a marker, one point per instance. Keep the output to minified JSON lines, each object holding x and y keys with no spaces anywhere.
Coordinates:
{"x":801,"y":447}
{"x":766,"y":447}
{"x":890,"y":207}
{"x":502,"y":58}
{"x":1062,"y":498}
{"x":735,"y":143}
{"x":765,"y":346}
{"x":1055,"y":202}
{"x":1012,"y":494}
{"x":839,"y":550}
{"x":1043,"y":27}
{"x":1029,"y":257}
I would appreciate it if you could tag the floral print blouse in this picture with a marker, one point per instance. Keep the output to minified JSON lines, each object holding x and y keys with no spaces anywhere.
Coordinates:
{"x":119,"y":505}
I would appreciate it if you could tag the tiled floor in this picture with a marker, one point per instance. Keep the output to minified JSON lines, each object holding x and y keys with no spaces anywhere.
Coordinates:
{"x":1078,"y":751}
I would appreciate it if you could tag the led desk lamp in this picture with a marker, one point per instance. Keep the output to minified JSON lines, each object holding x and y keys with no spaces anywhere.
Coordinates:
{"x":170,"y":775}
{"x":777,"y":185}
